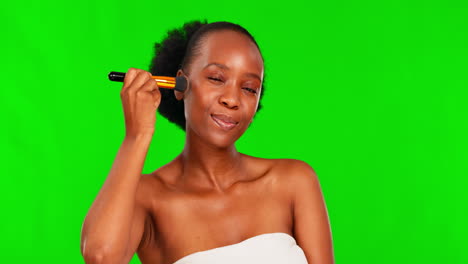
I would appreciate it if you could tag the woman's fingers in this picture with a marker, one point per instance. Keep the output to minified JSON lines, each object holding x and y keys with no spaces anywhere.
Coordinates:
{"x":140,"y":79}
{"x":129,"y":76}
{"x":140,"y":99}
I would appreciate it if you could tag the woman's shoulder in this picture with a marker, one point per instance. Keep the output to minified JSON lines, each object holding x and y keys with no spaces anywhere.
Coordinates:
{"x":282,"y":165}
{"x":288,"y":171}
{"x":164,"y":176}
{"x":154,"y":185}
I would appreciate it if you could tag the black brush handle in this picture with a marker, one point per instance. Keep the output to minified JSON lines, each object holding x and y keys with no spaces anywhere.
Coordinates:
{"x":117,"y":76}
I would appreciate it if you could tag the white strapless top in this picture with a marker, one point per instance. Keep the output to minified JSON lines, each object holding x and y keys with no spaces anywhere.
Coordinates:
{"x":271,"y":248}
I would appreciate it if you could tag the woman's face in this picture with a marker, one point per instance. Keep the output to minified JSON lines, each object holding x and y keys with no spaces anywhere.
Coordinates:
{"x":225,"y":80}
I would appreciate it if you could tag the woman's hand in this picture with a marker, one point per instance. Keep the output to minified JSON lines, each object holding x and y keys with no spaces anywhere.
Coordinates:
{"x":140,"y":99}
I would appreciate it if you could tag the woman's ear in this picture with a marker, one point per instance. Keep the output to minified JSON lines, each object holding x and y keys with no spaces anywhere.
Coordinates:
{"x":179,"y":95}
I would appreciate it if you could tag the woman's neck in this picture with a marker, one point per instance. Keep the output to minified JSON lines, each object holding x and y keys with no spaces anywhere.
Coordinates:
{"x":211,"y":167}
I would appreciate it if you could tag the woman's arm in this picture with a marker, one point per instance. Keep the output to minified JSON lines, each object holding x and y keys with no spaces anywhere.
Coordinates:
{"x":114,"y":224}
{"x":311,"y":223}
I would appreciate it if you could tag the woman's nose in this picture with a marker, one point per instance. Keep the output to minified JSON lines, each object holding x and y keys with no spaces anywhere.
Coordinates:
{"x":230,"y":97}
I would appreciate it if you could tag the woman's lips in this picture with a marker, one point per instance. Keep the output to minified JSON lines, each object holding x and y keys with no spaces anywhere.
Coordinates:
{"x":224,"y":121}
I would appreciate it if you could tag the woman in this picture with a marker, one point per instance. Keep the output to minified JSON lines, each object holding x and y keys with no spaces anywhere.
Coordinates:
{"x":211,"y":204}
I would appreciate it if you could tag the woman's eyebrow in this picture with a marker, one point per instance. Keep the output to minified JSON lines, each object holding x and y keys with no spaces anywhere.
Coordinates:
{"x":253,"y":75}
{"x":224,"y":67}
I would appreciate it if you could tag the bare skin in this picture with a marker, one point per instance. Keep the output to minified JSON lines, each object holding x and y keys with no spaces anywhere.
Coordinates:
{"x":210,"y":195}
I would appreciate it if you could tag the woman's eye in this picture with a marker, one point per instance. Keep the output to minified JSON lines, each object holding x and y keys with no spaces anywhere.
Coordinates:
{"x":250,"y":90}
{"x":215,"y":79}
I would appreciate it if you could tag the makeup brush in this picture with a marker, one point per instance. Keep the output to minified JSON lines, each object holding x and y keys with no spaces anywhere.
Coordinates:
{"x":176,"y":83}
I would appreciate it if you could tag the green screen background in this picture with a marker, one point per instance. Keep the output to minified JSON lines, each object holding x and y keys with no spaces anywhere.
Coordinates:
{"x":372,"y":94}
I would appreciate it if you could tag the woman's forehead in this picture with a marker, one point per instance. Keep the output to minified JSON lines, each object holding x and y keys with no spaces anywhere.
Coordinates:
{"x":233,"y":49}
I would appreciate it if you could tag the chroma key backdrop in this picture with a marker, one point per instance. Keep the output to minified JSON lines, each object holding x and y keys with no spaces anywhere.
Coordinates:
{"x":372,"y":94}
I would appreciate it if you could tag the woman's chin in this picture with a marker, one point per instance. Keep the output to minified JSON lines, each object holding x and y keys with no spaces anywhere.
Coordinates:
{"x":223,"y":138}
{"x":218,"y":138}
